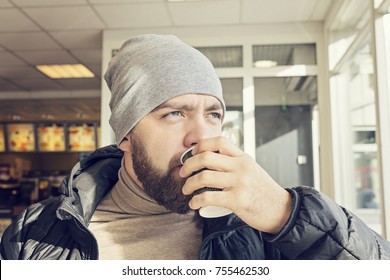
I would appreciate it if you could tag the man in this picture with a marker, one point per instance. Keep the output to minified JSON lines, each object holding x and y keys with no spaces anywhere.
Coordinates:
{"x":167,"y":98}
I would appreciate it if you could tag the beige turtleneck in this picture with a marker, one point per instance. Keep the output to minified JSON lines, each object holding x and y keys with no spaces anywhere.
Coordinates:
{"x":130,"y":225}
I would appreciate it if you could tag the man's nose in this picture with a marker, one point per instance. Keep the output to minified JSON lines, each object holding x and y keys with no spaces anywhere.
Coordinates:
{"x":196,"y":131}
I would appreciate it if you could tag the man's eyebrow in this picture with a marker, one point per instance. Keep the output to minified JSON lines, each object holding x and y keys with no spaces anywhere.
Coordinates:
{"x":172,"y":105}
{"x":215,"y":107}
{"x":185,"y":107}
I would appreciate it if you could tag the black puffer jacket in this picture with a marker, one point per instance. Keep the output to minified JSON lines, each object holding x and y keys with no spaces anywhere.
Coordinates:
{"x":317,"y":229}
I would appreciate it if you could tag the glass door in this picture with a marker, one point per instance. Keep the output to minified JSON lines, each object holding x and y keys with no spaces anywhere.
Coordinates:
{"x":284,"y":106}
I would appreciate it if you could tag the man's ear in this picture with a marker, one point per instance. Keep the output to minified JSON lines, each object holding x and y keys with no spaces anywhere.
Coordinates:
{"x":125,"y":145}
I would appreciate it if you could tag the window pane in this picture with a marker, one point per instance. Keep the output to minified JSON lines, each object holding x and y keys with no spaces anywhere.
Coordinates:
{"x":277,"y":55}
{"x":366,"y":180}
{"x":233,"y":122}
{"x":354,"y":93}
{"x":361,"y":95}
{"x":223,"y":56}
{"x":352,"y":18}
{"x":283,"y":116}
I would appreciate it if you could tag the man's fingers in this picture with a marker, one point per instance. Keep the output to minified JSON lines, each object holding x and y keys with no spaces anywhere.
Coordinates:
{"x":219,"y":145}
{"x":207,"y":178}
{"x":207,"y":160}
{"x":210,"y":198}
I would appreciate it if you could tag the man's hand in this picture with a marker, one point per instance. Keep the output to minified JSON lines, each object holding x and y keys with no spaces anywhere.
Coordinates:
{"x":247,"y":189}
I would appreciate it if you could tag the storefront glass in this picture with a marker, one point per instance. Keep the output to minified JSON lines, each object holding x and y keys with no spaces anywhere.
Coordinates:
{"x":354,"y":86}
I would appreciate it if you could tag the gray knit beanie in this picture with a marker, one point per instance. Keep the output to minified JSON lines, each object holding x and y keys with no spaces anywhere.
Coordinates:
{"x":151,"y":69}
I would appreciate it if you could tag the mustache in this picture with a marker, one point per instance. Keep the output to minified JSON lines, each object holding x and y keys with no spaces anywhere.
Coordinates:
{"x":175,"y":161}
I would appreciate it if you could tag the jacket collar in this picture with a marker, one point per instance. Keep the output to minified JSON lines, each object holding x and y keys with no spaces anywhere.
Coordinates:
{"x":88,"y":182}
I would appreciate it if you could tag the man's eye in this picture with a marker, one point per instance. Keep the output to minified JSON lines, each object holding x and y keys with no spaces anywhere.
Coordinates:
{"x":216,"y":115}
{"x":172,"y":114}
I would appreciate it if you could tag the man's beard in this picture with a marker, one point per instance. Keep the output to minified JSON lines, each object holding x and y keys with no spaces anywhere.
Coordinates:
{"x":163,"y":188}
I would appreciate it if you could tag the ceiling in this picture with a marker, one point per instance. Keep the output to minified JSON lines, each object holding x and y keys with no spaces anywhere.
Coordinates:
{"x":70,"y":31}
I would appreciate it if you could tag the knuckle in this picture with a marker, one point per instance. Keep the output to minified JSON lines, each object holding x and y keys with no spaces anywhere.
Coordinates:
{"x":202,"y":177}
{"x":204,"y":198}
{"x":207,"y":156}
{"x":220,"y":140}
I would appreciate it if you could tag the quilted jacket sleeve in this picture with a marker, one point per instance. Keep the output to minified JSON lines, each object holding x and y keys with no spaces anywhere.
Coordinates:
{"x":321,"y":229}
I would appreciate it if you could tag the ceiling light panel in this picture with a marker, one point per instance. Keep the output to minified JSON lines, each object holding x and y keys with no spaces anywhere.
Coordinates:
{"x":65,"y":71}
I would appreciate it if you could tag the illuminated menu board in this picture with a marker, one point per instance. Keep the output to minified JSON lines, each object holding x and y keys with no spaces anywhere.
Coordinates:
{"x":98,"y":136}
{"x":81,"y":137}
{"x":21,"y":137}
{"x":51,"y":138}
{"x":2,"y":138}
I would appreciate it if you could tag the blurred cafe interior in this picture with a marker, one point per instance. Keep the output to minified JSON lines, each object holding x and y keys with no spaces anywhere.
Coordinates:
{"x":306,"y":83}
